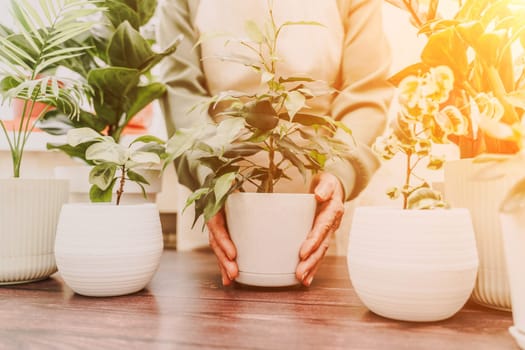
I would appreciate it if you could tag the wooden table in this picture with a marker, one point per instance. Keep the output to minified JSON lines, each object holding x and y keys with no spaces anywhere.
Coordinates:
{"x":185,"y":307}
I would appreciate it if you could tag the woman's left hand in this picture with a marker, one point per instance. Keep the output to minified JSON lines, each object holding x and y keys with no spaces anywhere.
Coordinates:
{"x":329,"y":195}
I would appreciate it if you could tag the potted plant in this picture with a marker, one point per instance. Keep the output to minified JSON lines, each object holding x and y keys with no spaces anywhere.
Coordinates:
{"x":415,"y":264}
{"x":29,"y":207}
{"x":117,"y":68}
{"x":110,"y":249}
{"x":482,"y":44}
{"x":260,"y":140}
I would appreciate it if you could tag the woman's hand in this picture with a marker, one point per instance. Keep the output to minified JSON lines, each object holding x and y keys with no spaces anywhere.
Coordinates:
{"x":329,"y":195}
{"x":223,"y":248}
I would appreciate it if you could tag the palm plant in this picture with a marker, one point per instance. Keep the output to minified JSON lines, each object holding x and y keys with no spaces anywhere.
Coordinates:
{"x":30,"y":56}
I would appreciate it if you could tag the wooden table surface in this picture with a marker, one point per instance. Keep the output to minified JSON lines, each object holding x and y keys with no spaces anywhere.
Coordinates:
{"x":185,"y":307}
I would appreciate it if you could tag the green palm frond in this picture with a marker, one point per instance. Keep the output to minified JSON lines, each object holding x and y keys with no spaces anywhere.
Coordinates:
{"x":32,"y":50}
{"x":35,"y":45}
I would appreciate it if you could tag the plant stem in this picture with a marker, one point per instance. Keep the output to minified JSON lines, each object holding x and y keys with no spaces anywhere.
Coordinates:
{"x":408,"y":174}
{"x":271,"y":167}
{"x":120,"y":190}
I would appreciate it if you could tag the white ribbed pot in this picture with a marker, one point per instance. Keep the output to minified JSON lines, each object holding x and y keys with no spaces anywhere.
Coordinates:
{"x":512,"y":218}
{"x":412,"y":265}
{"x":79,"y":185}
{"x":29,"y":210}
{"x":483,"y":198}
{"x":108,"y":250}
{"x":268,"y":230}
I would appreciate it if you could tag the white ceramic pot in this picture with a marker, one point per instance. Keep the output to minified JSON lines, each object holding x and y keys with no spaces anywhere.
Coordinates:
{"x":108,"y":250}
{"x":29,"y":210}
{"x":268,"y":230}
{"x":483,"y":198}
{"x":79,"y":186}
{"x":412,"y":265}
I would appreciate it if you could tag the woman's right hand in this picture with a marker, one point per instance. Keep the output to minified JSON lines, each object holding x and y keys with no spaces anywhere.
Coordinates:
{"x":223,"y":248}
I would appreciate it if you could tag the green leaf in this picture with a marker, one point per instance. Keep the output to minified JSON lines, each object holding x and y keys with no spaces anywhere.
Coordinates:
{"x":196,"y":196}
{"x":294,"y":102}
{"x":118,"y":12}
{"x":223,"y":185}
{"x":142,"y":96}
{"x":107,"y":152}
{"x":253,"y":32}
{"x":102,"y":175}
{"x":261,"y":115}
{"x":98,"y":195}
{"x":74,"y":152}
{"x":136,"y":177}
{"x":127,"y":48}
{"x":447,"y":48}
{"x":148,"y":139}
{"x":78,"y":136}
{"x":516,"y":98}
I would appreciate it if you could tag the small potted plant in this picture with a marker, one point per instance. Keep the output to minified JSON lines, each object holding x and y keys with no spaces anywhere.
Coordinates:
{"x":262,"y":139}
{"x":482,"y":44}
{"x":117,"y":68}
{"x":105,"y":249}
{"x":415,"y":264}
{"x":30,"y":56}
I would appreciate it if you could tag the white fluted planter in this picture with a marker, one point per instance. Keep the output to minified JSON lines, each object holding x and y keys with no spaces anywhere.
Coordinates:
{"x":108,"y":250}
{"x":268,"y":230}
{"x":512,"y":218}
{"x":79,"y":186}
{"x":412,"y":265}
{"x":483,"y":198}
{"x":29,"y":210}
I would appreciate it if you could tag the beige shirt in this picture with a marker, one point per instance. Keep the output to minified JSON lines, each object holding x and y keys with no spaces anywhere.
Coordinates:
{"x":350,"y":52}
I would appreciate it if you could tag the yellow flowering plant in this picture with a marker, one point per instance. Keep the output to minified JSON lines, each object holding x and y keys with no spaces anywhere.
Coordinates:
{"x":483,"y":44}
{"x":421,"y":121}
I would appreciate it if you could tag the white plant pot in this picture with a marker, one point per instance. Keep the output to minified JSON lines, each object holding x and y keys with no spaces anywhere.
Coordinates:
{"x":268,"y":230}
{"x":412,"y":265}
{"x":513,"y":229}
{"x":79,"y":186}
{"x":108,"y":250}
{"x":29,"y":210}
{"x":483,"y":198}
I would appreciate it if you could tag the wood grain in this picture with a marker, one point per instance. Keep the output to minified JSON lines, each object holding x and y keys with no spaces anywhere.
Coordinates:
{"x":185,"y":307}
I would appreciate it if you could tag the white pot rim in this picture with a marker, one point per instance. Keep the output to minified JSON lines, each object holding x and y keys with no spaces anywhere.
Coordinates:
{"x":409,"y":212}
{"x":276,"y":194}
{"x":110,"y":205}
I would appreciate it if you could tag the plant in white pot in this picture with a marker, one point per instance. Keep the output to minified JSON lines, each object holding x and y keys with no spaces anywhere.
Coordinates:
{"x":103,"y":248}
{"x":482,"y":42}
{"x":261,"y":139}
{"x":417,"y":263}
{"x":31,"y":53}
{"x":118,"y":69}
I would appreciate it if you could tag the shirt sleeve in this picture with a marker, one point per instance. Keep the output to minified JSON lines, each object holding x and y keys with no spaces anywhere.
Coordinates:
{"x":184,"y":103}
{"x":364,"y":93}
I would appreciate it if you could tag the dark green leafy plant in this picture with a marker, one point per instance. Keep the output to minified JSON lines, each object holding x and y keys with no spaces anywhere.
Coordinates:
{"x":117,"y":69}
{"x":115,"y":164}
{"x":214,"y":160}
{"x":29,"y":58}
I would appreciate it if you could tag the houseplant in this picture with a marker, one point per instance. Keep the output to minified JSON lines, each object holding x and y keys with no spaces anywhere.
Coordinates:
{"x":117,"y":68}
{"x":417,"y":264}
{"x":482,"y":43}
{"x":259,"y":140}
{"x":110,"y":249}
{"x":30,"y":55}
